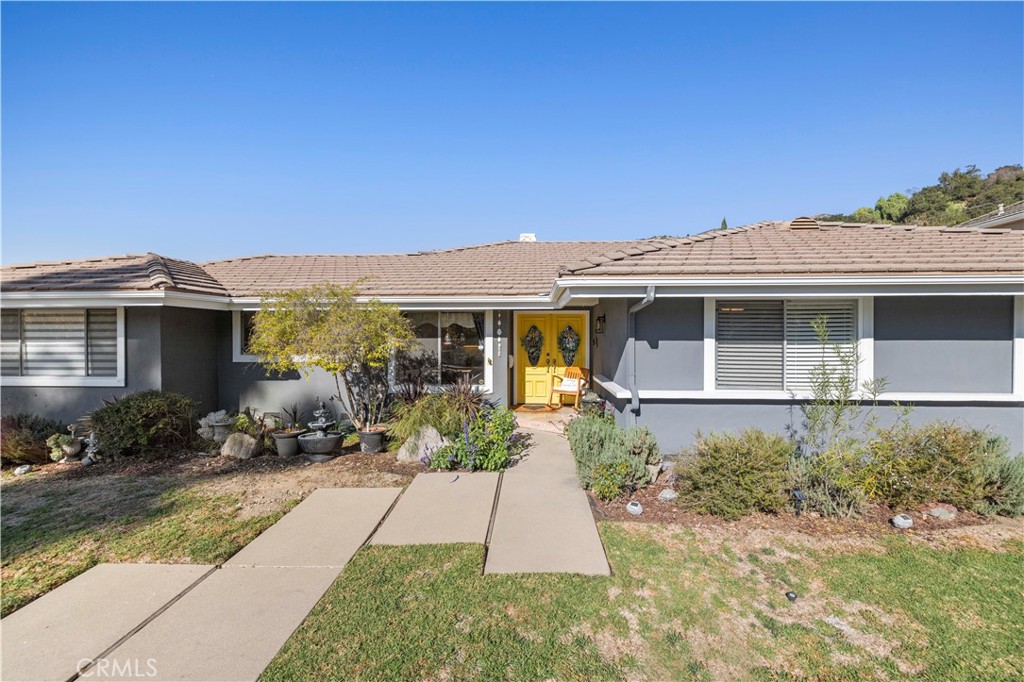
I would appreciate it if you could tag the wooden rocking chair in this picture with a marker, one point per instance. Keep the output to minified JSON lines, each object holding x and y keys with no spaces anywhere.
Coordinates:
{"x":573,"y":382}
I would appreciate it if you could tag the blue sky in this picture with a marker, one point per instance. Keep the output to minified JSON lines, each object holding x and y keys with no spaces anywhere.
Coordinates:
{"x":204,"y":131}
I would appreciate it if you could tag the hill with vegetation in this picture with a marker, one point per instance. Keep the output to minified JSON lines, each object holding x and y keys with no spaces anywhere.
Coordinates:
{"x":959,"y":195}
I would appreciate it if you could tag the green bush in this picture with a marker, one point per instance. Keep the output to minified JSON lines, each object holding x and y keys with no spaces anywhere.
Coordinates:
{"x":23,"y":438}
{"x":145,"y":424}
{"x":834,"y":481}
{"x":486,"y":443}
{"x":597,"y":443}
{"x":1006,"y":483}
{"x":610,"y":479}
{"x":733,"y":475}
{"x":447,"y":411}
{"x":936,"y":462}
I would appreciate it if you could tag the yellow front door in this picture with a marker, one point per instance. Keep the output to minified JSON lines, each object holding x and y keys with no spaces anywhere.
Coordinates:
{"x":538,"y":356}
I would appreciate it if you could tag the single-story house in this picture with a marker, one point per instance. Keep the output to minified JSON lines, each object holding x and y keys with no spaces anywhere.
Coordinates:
{"x":705,"y":332}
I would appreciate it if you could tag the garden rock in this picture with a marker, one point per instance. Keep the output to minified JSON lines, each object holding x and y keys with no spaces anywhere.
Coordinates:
{"x":667,"y":495}
{"x":239,"y":446}
{"x":902,"y":521}
{"x":23,"y":469}
{"x":653,"y":471}
{"x":424,"y":444}
{"x":943,"y":512}
{"x":207,"y":422}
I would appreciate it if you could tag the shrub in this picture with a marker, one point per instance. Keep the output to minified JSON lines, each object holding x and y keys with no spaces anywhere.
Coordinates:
{"x":610,"y":479}
{"x":936,"y":462}
{"x":833,"y":480}
{"x":597,"y":443}
{"x":23,"y":438}
{"x":487,"y":443}
{"x":733,"y":475}
{"x":447,"y":411}
{"x":145,"y":424}
{"x":1006,"y":482}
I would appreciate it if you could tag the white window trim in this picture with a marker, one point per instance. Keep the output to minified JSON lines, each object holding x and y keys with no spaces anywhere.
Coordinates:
{"x":1018,"y":347}
{"x":69,"y":382}
{"x":488,"y":385}
{"x":236,"y":339}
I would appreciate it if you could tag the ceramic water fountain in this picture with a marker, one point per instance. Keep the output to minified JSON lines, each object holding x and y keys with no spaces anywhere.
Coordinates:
{"x":319,"y":444}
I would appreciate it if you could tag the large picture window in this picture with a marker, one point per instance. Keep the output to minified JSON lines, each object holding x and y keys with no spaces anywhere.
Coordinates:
{"x":62,"y":344}
{"x":772,"y":345}
{"x":449,"y":348}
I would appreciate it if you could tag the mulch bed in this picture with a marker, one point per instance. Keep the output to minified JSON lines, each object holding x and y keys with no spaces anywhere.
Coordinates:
{"x":874,"y":522}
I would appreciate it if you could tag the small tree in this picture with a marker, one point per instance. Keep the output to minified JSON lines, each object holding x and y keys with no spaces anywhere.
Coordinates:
{"x":324,"y":326}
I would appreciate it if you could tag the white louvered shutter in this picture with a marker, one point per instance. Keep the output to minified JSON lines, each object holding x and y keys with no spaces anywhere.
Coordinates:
{"x":10,"y":342}
{"x":54,"y":342}
{"x":749,"y":345}
{"x":102,"y":337}
{"x":804,"y":351}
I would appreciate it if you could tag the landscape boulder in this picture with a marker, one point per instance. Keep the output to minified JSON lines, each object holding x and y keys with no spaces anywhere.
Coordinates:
{"x":943,"y":512}
{"x":423,"y":444}
{"x":239,"y":446}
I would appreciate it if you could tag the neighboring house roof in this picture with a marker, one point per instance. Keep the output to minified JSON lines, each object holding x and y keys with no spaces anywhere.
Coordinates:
{"x":500,"y":269}
{"x":1009,"y":216}
{"x":801,"y":247}
{"x":121,"y":273}
{"x":806,"y":247}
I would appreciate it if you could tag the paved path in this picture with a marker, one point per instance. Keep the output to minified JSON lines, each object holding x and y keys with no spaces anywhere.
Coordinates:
{"x":543,"y":522}
{"x":165,"y":622}
{"x":83,"y":618}
{"x":439,"y":508}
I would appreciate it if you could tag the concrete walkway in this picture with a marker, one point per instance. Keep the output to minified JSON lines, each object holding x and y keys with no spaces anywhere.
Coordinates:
{"x":195,"y":622}
{"x":439,"y":508}
{"x":165,"y":622}
{"x":543,"y":522}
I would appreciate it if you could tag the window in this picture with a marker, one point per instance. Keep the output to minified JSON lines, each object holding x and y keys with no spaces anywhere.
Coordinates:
{"x":241,"y":329}
{"x":449,"y":348}
{"x":63,"y":346}
{"x":772,"y":345}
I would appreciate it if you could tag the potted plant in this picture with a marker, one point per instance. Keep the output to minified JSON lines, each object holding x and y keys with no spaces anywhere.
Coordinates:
{"x":324,"y":326}
{"x":286,"y":435}
{"x":64,"y":444}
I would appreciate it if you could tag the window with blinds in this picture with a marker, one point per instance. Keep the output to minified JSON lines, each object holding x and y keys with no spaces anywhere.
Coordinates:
{"x":772,"y":345}
{"x":59,"y":342}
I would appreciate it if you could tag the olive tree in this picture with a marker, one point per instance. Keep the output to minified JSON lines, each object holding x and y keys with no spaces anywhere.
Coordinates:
{"x":324,"y":326}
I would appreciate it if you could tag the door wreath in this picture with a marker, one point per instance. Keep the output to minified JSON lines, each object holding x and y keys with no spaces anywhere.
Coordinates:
{"x":533,"y":343}
{"x":568,"y":344}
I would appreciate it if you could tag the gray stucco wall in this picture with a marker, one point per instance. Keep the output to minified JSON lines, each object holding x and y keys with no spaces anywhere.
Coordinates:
{"x":957,"y":344}
{"x":142,"y":372}
{"x":188,"y":354}
{"x":670,"y":344}
{"x":609,"y":348}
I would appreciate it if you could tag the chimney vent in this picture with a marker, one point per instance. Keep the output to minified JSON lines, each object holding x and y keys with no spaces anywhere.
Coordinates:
{"x":527,"y":236}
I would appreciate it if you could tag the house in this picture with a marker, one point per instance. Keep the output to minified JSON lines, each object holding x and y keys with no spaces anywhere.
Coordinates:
{"x":705,"y":332}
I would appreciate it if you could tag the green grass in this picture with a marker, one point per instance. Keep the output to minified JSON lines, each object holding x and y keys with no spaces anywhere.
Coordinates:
{"x":680,"y":606}
{"x":51,"y":533}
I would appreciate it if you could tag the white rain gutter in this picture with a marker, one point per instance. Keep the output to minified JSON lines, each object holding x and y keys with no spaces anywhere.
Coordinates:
{"x":634,"y":401}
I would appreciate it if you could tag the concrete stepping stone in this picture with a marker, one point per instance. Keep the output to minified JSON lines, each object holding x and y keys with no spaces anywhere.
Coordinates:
{"x":228,"y":628}
{"x":543,"y":522}
{"x":439,"y":508}
{"x":325,"y":529}
{"x":50,"y":638}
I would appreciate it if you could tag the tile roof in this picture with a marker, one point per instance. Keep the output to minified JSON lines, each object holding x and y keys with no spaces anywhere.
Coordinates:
{"x":1001,"y":215}
{"x":774,"y":248}
{"x":808,"y":247}
{"x":499,"y":269}
{"x":130,"y":273}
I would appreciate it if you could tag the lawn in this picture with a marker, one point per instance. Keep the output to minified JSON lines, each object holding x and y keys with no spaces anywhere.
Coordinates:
{"x":60,"y":521}
{"x":685,"y":604}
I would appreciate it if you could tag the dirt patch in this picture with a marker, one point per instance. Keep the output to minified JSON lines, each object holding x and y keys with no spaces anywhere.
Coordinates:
{"x":262,"y":484}
{"x":874,"y":522}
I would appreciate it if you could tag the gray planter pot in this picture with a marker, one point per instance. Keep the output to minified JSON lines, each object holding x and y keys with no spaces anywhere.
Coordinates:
{"x":221,"y":430}
{"x":371,"y":441}
{"x":287,"y":443}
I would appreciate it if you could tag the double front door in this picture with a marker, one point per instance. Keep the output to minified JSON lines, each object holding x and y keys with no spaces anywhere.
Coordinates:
{"x":547,"y":343}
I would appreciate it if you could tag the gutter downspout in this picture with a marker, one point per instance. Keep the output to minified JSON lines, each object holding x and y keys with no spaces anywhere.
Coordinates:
{"x":634,"y":401}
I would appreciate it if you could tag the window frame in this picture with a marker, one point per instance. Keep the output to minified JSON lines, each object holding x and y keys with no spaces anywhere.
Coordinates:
{"x":237,"y":354}
{"x":118,"y":380}
{"x":862,"y":336}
